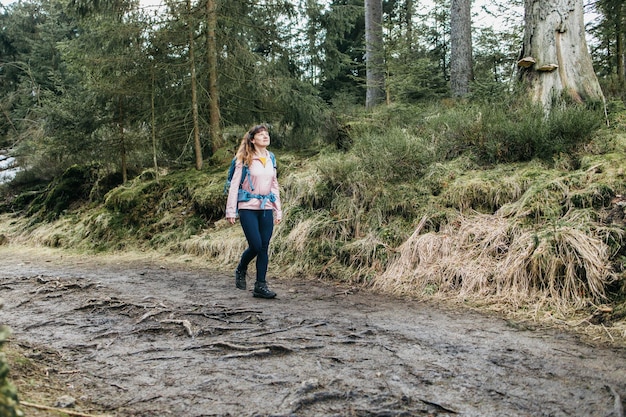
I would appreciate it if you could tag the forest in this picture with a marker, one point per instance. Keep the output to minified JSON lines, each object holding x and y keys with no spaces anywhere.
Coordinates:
{"x":397,"y":125}
{"x":471,"y":152}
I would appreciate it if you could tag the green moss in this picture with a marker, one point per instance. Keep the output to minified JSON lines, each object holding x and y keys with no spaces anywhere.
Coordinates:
{"x":347,"y":212}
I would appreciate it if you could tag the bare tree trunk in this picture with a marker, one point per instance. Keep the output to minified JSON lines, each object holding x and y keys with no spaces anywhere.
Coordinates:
{"x":120,"y":125}
{"x":214,"y":106}
{"x":194,"y":94}
{"x":374,"y":57}
{"x":556,"y":63}
{"x":153,"y":123}
{"x":621,"y":58}
{"x":461,"y":65}
{"x":408,"y":19}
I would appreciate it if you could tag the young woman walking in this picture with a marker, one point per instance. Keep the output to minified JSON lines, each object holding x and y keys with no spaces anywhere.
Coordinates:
{"x":254,"y":196}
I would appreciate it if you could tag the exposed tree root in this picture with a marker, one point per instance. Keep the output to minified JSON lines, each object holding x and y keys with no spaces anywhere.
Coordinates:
{"x":286,"y":329}
{"x":60,"y":410}
{"x":185,"y":323}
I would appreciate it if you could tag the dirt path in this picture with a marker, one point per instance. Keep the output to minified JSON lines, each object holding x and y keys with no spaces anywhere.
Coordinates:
{"x":137,"y":338}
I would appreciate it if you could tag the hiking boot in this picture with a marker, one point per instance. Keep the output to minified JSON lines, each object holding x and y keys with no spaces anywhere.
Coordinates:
{"x":240,"y":279}
{"x":261,"y":291}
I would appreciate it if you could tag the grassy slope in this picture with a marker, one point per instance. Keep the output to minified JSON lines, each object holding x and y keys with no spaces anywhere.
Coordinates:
{"x":536,"y":241}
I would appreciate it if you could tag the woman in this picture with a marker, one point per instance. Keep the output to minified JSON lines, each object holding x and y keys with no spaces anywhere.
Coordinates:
{"x":254,"y":199}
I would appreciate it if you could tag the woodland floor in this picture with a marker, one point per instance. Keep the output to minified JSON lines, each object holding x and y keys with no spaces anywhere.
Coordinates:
{"x":148,"y":337}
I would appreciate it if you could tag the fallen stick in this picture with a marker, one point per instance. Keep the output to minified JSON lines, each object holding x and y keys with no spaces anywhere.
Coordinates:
{"x":617,"y":406}
{"x":439,"y":407}
{"x":274,"y":347}
{"x":258,"y":352}
{"x":185,"y":323}
{"x":286,"y":329}
{"x":607,"y":332}
{"x":150,"y":314}
{"x":232,"y":346}
{"x":61,"y":410}
{"x":318,"y":397}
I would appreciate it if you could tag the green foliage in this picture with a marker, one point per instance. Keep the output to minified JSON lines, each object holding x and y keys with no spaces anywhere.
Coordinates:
{"x":616,"y":114}
{"x":348,"y":210}
{"x":487,"y":191}
{"x":495,"y":53}
{"x":507,"y":132}
{"x":80,"y":90}
{"x":163,"y":211}
{"x":339,"y":34}
{"x":606,"y":42}
{"x":410,"y":154}
{"x":352,"y":215}
{"x":417,"y":81}
{"x":8,"y":393}
{"x":72,"y":187}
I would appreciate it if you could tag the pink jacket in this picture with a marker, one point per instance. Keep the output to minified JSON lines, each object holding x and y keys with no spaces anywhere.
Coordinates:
{"x":264,"y":181}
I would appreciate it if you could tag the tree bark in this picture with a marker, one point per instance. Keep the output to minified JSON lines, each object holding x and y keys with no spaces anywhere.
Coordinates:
{"x":214,"y":106}
{"x":374,"y":53}
{"x":120,"y":125}
{"x":194,"y":94}
{"x":621,"y":57}
{"x":461,"y":65}
{"x":408,"y":19}
{"x":555,"y":38}
{"x":153,"y":124}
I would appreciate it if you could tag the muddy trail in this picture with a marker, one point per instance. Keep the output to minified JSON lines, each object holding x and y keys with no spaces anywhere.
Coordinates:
{"x":145,"y":338}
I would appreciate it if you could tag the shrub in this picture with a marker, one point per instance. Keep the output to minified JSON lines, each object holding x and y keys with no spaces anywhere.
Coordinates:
{"x":523,"y":133}
{"x":8,"y":393}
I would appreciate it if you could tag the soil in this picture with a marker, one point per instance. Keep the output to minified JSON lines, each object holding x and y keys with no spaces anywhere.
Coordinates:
{"x":144,"y":336}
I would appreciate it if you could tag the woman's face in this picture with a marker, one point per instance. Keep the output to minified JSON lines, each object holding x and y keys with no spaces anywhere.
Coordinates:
{"x":261,"y":138}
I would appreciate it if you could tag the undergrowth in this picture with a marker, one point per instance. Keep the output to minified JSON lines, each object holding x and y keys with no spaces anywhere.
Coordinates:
{"x":487,"y":205}
{"x":8,"y":393}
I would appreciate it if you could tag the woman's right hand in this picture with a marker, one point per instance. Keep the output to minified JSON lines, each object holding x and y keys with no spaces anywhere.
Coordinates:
{"x":231,"y":220}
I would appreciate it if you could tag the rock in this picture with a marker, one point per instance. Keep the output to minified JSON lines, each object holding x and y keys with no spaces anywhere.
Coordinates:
{"x":65,"y":401}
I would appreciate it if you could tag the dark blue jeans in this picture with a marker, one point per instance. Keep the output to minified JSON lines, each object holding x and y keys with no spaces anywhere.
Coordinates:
{"x":258,"y":226}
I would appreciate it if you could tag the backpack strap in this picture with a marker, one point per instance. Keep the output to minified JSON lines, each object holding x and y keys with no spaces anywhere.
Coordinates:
{"x":273,"y":157}
{"x":245,"y":172}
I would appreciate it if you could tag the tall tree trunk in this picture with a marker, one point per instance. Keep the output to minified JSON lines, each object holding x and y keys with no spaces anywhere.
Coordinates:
{"x":555,"y":60}
{"x":374,"y":58}
{"x":194,"y":94}
{"x":153,"y":123}
{"x":461,"y":65}
{"x":621,"y":57}
{"x":120,"y":126}
{"x":408,"y":20}
{"x":214,"y":105}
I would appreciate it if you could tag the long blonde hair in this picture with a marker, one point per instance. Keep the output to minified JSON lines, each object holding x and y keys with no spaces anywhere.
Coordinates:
{"x":246,"y":150}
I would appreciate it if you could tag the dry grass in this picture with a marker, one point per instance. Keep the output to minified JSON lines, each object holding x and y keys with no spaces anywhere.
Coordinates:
{"x":308,"y":243}
{"x":525,"y":239}
{"x":495,"y":257}
{"x":222,"y":245}
{"x":484,"y":193}
{"x":365,"y":256}
{"x":299,"y":188}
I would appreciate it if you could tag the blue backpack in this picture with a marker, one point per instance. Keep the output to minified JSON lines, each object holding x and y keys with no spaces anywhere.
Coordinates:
{"x":244,"y":173}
